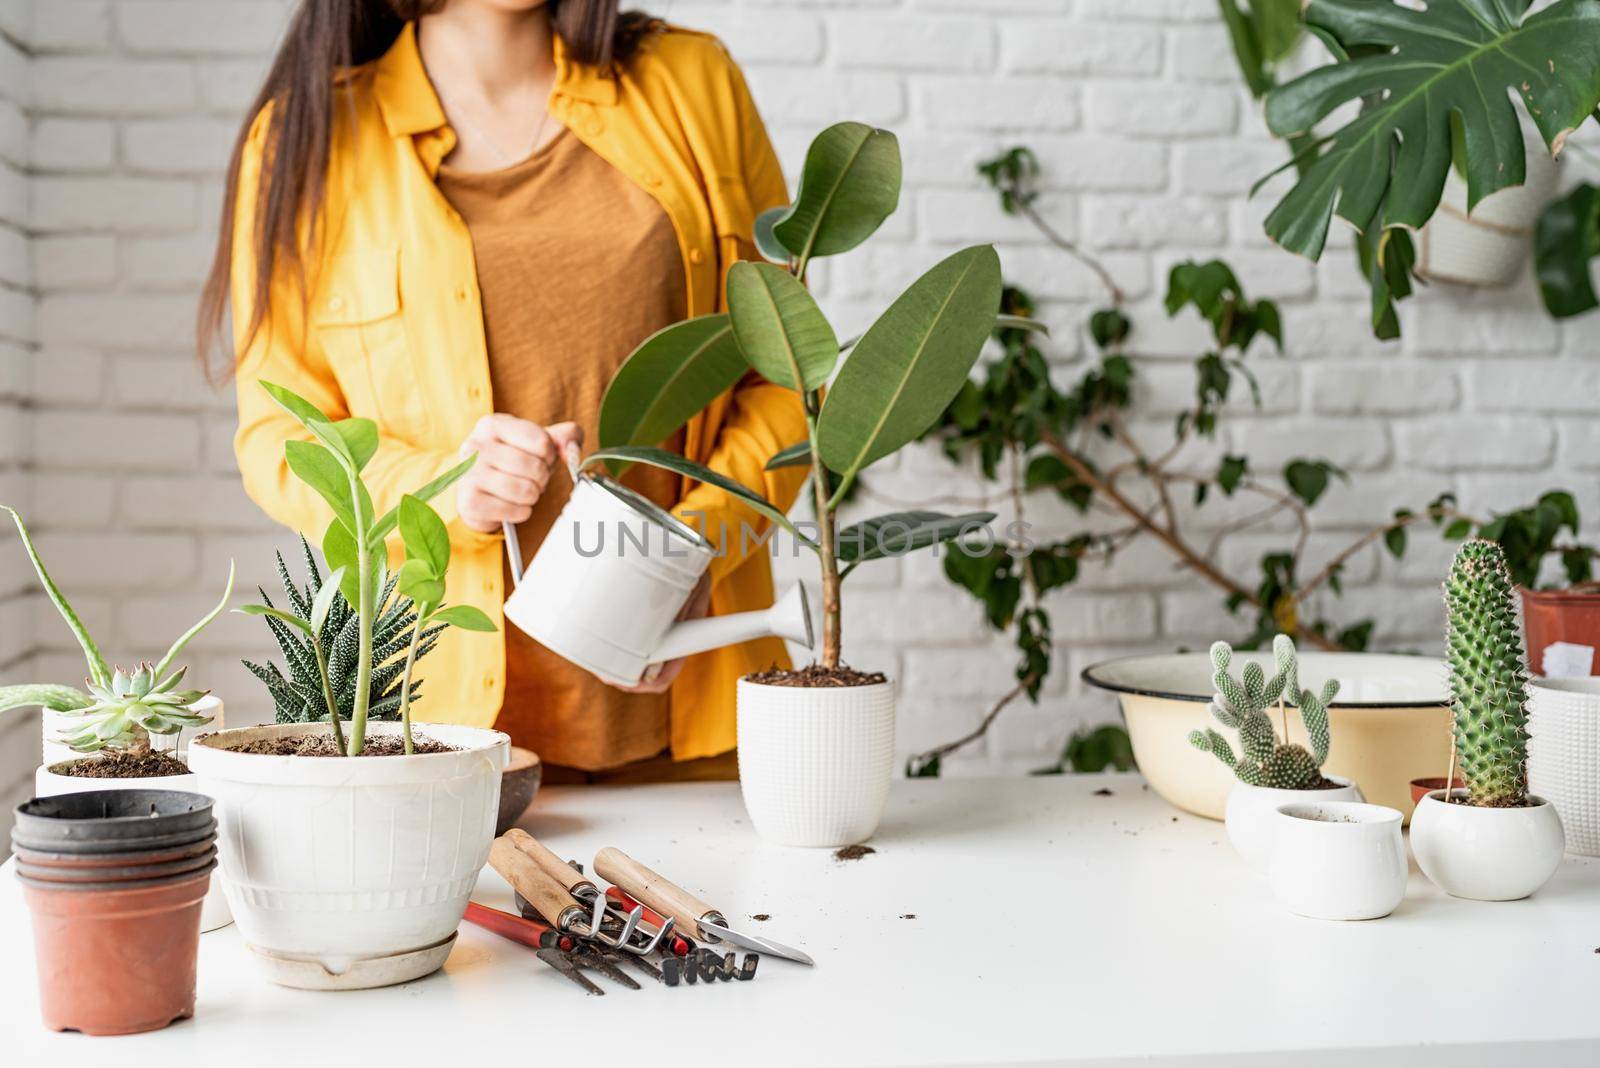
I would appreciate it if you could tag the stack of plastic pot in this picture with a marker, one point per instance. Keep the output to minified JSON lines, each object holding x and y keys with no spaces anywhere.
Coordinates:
{"x":114,"y":880}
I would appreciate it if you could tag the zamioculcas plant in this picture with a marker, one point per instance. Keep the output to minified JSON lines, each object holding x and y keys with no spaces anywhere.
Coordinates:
{"x":118,"y":709}
{"x":898,"y":378}
{"x":1488,"y":696}
{"x":356,"y":553}
{"x":1242,"y":706}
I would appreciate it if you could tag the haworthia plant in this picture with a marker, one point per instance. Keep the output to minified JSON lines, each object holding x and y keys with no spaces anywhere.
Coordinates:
{"x":1241,"y":705}
{"x":1488,"y":676}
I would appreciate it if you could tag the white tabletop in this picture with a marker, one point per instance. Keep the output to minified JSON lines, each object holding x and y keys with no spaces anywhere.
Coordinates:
{"x":1051,"y":925}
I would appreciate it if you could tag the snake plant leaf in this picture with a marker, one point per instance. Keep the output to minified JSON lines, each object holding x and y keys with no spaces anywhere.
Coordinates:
{"x":99,"y":670}
{"x":323,"y":602}
{"x":45,"y":695}
{"x":201,"y":624}
{"x":796,"y":455}
{"x":667,"y":380}
{"x":910,"y":363}
{"x":464,"y":616}
{"x":1420,"y":71}
{"x":899,"y":533}
{"x":670,"y":461}
{"x":849,"y":184}
{"x":780,"y":329}
{"x":1566,"y":239}
{"x":425,"y":537}
{"x":381,"y":528}
{"x":767,"y":242}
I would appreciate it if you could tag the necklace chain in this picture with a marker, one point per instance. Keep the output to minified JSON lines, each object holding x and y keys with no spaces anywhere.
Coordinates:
{"x":507,"y":159}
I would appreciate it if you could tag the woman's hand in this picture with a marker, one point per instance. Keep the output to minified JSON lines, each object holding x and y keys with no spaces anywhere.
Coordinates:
{"x":515,"y":460}
{"x":658,"y":678}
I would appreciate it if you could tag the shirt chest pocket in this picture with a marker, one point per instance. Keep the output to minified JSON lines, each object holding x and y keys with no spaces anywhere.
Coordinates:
{"x":357,"y":317}
{"x":734,"y":220}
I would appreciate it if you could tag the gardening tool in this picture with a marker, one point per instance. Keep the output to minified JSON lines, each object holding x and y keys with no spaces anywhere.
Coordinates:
{"x":692,"y":914}
{"x":522,"y":929}
{"x":554,"y":902}
{"x":609,"y":580}
{"x":587,"y":893}
{"x":677,"y":945}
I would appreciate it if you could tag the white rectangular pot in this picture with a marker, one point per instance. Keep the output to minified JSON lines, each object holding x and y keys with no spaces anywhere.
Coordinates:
{"x":346,"y":872}
{"x":815,"y":762}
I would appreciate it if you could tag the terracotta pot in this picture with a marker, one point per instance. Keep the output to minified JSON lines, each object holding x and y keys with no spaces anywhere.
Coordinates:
{"x":116,"y":959}
{"x":115,"y":873}
{"x":94,"y":860}
{"x":1421,"y":788}
{"x":1567,"y":619}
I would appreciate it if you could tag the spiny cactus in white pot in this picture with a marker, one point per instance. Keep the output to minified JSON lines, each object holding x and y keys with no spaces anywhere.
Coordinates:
{"x":1270,"y":771}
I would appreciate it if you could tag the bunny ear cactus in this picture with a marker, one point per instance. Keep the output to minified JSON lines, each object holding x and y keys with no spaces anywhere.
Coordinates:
{"x":1489,"y":701}
{"x":1241,"y":705}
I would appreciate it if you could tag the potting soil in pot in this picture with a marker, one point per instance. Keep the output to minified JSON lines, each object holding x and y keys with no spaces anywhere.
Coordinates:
{"x":322,"y":745}
{"x":122,"y":766}
{"x":817,"y":675}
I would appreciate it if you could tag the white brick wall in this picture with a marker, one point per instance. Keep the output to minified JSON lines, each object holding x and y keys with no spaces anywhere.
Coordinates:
{"x":115,"y":116}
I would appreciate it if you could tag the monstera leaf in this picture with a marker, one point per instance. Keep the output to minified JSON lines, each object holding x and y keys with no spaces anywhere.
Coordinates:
{"x":1568,"y":237}
{"x":1421,"y":73}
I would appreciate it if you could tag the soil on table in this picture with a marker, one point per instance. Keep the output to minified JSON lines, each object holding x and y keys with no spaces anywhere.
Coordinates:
{"x":122,"y":766}
{"x":815,"y":675}
{"x":762,"y":917}
{"x":853,"y":852}
{"x":321,"y":745}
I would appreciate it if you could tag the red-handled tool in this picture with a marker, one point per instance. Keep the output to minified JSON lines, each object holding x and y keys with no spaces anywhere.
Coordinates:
{"x":517,"y":928}
{"x":680,"y":946}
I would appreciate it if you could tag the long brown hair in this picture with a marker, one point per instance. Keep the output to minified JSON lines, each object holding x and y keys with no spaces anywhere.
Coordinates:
{"x":324,"y":38}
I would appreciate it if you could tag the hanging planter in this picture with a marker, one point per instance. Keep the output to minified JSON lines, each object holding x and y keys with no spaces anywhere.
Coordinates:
{"x":1488,"y":246}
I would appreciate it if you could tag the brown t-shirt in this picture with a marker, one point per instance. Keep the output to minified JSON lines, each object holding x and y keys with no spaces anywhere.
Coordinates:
{"x":576,"y":265}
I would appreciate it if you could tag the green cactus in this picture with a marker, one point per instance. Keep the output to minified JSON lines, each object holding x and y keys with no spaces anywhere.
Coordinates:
{"x":1489,"y":702}
{"x":1241,"y":705}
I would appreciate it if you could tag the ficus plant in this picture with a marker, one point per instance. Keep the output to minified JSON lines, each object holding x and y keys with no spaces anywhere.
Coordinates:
{"x":355,"y":548}
{"x":899,"y":375}
{"x":118,"y":709}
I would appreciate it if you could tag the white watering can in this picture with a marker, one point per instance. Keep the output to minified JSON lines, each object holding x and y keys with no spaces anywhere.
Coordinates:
{"x":606,"y":586}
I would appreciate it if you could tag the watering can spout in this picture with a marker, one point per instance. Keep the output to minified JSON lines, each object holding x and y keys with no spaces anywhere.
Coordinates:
{"x":788,"y":618}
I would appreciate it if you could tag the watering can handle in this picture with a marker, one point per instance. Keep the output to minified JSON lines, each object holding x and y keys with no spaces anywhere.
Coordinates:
{"x":514,"y":547}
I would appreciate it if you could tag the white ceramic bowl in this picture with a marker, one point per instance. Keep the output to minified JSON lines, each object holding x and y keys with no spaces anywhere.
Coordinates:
{"x":1390,"y":723}
{"x":1338,"y":860}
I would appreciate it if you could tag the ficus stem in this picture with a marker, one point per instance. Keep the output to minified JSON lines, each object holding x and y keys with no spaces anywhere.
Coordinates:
{"x":826,"y":547}
{"x":405,"y":677}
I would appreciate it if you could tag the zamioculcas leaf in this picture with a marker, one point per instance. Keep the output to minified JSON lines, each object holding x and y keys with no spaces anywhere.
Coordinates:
{"x":425,"y":536}
{"x":360,"y":437}
{"x":911,"y":363}
{"x":386,"y":523}
{"x":767,"y":242}
{"x":668,"y":379}
{"x":311,"y":417}
{"x":419,"y":582}
{"x":780,"y":329}
{"x":339,"y":549}
{"x":902,"y":532}
{"x":45,"y":695}
{"x":99,"y":670}
{"x":316,"y":466}
{"x":1457,"y":58}
{"x":1566,"y":240}
{"x":673,"y":462}
{"x":850,"y":183}
{"x":464,"y":616}
{"x":796,"y":455}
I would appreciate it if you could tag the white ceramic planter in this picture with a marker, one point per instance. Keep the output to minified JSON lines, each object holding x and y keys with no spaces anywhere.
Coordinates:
{"x":1488,"y":247}
{"x":815,"y":762}
{"x":348,"y":873}
{"x":1338,"y":860}
{"x":1564,"y":755}
{"x":1486,"y":854}
{"x":1251,"y":815}
{"x":46,"y":783}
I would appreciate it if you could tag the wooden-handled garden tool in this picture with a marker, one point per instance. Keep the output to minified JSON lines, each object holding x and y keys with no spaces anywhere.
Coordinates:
{"x":553,"y":900}
{"x":693,"y":915}
{"x":584,"y":891}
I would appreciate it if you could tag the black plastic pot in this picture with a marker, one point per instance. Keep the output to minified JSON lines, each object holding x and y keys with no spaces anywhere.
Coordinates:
{"x":113,"y":821}
{"x":115,"y":872}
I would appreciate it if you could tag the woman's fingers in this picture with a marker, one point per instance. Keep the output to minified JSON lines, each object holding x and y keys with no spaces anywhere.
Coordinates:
{"x":521,"y":434}
{"x":568,"y":440}
{"x":510,"y":460}
{"x":485,"y":511}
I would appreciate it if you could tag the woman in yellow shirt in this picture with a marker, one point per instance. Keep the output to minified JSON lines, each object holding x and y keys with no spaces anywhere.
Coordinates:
{"x":457,"y":218}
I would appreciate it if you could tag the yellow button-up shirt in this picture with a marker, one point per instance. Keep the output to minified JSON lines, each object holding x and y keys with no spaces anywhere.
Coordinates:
{"x":390,"y":327}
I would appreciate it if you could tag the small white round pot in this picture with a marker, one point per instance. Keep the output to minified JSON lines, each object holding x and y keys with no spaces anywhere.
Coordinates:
{"x":352,"y":872}
{"x":1338,"y":860}
{"x":1486,"y":854}
{"x":815,"y":762}
{"x":48,"y":783}
{"x":1251,"y":815}
{"x":52,"y":724}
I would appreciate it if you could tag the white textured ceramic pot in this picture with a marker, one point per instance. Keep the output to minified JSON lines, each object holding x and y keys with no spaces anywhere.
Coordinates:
{"x":1252,"y":815}
{"x":1338,"y":860}
{"x":345,"y":873}
{"x":1486,"y":854}
{"x":1489,"y":246}
{"x":815,"y":762}
{"x":49,"y":782}
{"x":1564,"y":755}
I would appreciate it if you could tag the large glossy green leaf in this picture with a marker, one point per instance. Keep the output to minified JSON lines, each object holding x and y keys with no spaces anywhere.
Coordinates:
{"x":1263,"y":33}
{"x":99,"y":670}
{"x":850,"y":183}
{"x":668,"y":379}
{"x":419,"y":582}
{"x":767,"y":242}
{"x":671,"y":461}
{"x":1416,"y":69}
{"x":45,"y":695}
{"x":780,"y":329}
{"x":796,"y":455}
{"x":902,"y":532}
{"x":911,"y":362}
{"x":1565,"y":241}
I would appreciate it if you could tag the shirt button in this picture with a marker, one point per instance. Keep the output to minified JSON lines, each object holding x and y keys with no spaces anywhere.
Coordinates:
{"x":335,"y":303}
{"x":474,"y":392}
{"x":488,"y":682}
{"x":652,"y":180}
{"x":594,"y":127}
{"x":696,"y":256}
{"x":461,"y":292}
{"x":488,"y":585}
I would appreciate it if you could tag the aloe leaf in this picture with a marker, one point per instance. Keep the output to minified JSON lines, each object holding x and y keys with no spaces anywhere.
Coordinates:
{"x":849,"y":184}
{"x":673,"y":462}
{"x":45,"y":695}
{"x":780,"y":329}
{"x":668,"y":379}
{"x":99,"y":670}
{"x":204,"y":621}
